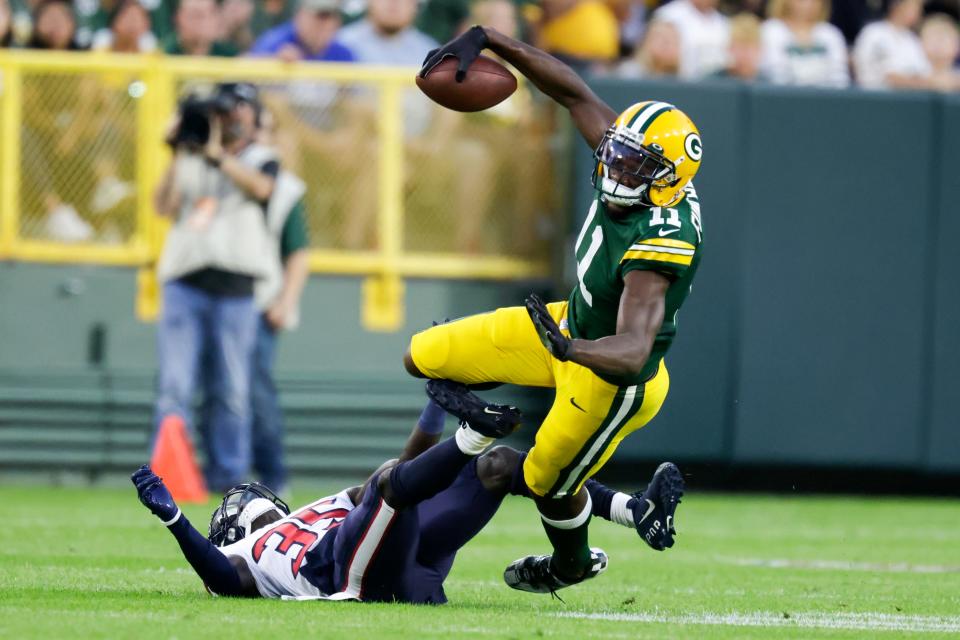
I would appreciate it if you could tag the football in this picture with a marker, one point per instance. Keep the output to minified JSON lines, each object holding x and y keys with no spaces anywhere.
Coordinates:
{"x":487,"y":83}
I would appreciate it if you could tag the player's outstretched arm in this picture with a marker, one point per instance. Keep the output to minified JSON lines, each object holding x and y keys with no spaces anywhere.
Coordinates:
{"x":591,"y":115}
{"x":214,"y":568}
{"x":638,"y":321}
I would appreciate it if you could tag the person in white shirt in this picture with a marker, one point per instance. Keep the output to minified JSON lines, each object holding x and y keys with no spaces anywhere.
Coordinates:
{"x":801,"y":48}
{"x":658,"y":55}
{"x":888,"y":55}
{"x":704,"y":35}
{"x":941,"y":43}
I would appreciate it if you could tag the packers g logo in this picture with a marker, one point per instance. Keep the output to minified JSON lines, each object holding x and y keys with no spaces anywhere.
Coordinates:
{"x":693,"y":147}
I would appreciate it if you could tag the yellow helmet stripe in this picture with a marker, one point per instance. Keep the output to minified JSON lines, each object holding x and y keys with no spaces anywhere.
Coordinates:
{"x":643,"y":119}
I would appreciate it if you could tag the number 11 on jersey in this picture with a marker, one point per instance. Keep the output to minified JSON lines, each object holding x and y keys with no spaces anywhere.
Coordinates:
{"x":596,"y":240}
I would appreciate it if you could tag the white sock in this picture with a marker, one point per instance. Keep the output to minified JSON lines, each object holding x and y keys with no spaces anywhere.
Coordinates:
{"x":575,"y":521}
{"x":471,"y":442}
{"x":619,"y":511}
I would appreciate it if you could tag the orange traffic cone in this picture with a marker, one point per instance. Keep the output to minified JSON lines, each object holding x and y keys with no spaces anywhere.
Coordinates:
{"x":173,"y":460}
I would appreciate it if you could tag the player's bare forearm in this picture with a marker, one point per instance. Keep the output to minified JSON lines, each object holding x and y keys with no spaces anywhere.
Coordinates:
{"x":295,"y":275}
{"x":621,"y":355}
{"x":590,"y":114}
{"x":640,"y":317}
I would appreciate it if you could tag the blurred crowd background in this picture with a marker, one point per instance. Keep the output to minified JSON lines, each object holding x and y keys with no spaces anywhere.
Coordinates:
{"x":872,"y":43}
{"x":78,"y":150}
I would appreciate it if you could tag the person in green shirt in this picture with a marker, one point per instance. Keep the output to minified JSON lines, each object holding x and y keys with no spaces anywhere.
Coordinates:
{"x":196,"y":29}
{"x":95,"y":19}
{"x":277,"y":315}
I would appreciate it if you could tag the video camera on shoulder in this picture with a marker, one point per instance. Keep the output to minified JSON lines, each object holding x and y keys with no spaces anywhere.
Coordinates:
{"x":197,"y":109}
{"x":195,"y":114}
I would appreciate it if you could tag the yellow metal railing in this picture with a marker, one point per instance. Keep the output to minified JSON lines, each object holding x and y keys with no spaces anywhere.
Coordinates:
{"x":81,"y":152}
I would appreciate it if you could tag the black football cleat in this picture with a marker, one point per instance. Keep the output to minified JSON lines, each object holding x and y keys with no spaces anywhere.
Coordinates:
{"x":535,"y":573}
{"x":491,"y":420}
{"x":656,"y":505}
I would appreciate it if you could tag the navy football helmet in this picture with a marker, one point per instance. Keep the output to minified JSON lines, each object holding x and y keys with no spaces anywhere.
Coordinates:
{"x":225,"y":525}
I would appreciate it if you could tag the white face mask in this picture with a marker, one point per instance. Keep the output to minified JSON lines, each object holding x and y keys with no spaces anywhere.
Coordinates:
{"x":616,"y":193}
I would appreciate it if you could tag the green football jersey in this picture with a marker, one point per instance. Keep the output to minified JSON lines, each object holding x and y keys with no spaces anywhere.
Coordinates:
{"x":661,"y":239}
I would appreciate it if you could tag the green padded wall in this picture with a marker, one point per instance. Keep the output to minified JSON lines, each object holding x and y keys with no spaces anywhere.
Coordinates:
{"x":348,"y":402}
{"x":943,"y":382}
{"x":833,"y":306}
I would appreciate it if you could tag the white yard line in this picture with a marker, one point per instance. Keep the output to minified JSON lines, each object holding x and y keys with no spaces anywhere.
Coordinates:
{"x":850,"y":621}
{"x":839,"y":565}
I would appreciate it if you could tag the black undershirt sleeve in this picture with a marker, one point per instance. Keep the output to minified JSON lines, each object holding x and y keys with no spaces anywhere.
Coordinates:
{"x":213,"y":567}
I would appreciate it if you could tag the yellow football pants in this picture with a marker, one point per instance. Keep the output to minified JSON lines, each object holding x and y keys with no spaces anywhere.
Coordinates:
{"x":589,"y":417}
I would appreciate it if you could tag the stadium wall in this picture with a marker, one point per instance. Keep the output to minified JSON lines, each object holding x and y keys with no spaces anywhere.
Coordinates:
{"x":77,"y":372}
{"x":822,"y":326}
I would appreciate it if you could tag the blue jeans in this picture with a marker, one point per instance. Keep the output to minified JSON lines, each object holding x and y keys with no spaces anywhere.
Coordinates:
{"x":267,"y":416}
{"x":194,"y":324}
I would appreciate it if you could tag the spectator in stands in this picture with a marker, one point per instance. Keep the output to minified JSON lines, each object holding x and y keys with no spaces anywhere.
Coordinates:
{"x":94,"y":18}
{"x":386,"y":35}
{"x":21,"y":21}
{"x":746,"y":49}
{"x":235,"y":24}
{"x":196,"y":29}
{"x":268,"y":14}
{"x":129,"y":30}
{"x":54,"y":26}
{"x":6,"y":24}
{"x":217,"y":192}
{"x":941,"y":43}
{"x":658,"y":55}
{"x":583,"y":33}
{"x":308,"y":36}
{"x":801,"y":48}
{"x":889,"y":55}
{"x":704,"y":35}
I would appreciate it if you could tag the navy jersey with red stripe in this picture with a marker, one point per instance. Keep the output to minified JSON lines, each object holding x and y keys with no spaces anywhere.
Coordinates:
{"x":282,"y":556}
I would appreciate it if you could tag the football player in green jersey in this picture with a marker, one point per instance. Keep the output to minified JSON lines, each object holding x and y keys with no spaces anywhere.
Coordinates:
{"x":603,"y":348}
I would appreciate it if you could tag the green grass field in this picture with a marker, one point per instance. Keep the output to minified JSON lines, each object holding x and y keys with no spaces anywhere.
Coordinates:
{"x":94,"y":563}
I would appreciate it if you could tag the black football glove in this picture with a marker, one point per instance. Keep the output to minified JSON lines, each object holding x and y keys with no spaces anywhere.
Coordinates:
{"x":464,"y":48}
{"x":547,"y":328}
{"x":154,"y":494}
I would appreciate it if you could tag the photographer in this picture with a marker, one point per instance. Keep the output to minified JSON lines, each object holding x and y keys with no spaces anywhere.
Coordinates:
{"x":216,"y":190}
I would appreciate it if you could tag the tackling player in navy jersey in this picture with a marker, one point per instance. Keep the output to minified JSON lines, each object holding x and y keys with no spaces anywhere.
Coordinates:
{"x":394,"y":538}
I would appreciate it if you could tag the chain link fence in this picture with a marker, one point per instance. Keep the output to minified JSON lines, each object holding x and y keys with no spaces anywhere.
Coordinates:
{"x":389,"y":174}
